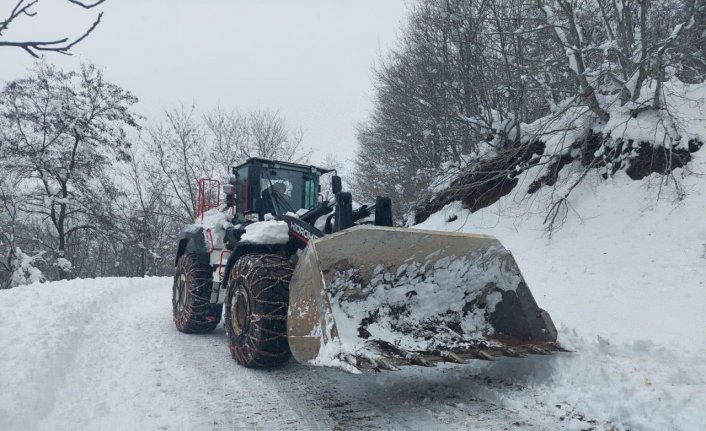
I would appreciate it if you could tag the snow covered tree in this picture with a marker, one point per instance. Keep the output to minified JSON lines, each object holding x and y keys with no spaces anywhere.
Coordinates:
{"x":463,"y":93}
{"x":179,"y":156}
{"x":270,"y":138}
{"x":63,"y":130}
{"x":464,"y":73}
{"x":16,"y":267}
{"x":619,"y":48}
{"x":235,"y":136}
{"x":228,"y":133}
{"x":147,"y":228}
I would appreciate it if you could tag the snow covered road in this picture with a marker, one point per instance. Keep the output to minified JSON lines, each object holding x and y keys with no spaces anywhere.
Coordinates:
{"x":104,"y":354}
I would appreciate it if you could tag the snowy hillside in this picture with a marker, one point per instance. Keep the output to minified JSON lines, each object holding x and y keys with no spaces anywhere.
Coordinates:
{"x":625,"y":281}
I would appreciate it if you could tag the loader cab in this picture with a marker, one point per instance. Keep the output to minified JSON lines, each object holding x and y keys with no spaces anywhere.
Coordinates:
{"x":266,"y":186}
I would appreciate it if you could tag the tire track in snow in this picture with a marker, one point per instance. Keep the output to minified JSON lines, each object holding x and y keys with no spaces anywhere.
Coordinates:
{"x":131,"y":369}
{"x":409,"y":400}
{"x":320,"y":397}
{"x":59,"y":319}
{"x":158,"y":378}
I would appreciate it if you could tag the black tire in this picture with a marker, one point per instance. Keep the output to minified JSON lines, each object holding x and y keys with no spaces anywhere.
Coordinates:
{"x":256,"y":310}
{"x":191,"y":297}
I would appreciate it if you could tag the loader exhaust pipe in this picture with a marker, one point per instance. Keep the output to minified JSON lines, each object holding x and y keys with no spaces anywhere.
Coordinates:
{"x":381,"y":297}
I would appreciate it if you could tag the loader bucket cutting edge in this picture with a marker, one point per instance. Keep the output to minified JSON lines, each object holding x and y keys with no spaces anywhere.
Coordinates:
{"x":381,"y":297}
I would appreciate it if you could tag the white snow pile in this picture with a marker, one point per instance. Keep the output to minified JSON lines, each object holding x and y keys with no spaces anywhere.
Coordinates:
{"x":422,"y":306}
{"x":623,"y":278}
{"x":627,"y":134}
{"x":266,"y":232}
{"x":677,"y":130}
{"x":64,"y":264}
{"x":679,"y":120}
{"x":42,"y":327}
{"x":25,"y":270}
{"x":214,"y":223}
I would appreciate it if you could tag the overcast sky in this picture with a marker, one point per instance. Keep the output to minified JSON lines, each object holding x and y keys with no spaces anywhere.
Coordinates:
{"x":309,"y":59}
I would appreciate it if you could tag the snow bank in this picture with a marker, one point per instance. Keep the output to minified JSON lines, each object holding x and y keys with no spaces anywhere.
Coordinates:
{"x":625,"y":279}
{"x":41,"y":326}
{"x":681,"y":119}
{"x":637,"y":140}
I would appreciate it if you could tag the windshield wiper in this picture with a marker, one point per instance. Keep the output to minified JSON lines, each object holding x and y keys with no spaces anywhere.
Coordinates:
{"x":277,"y":198}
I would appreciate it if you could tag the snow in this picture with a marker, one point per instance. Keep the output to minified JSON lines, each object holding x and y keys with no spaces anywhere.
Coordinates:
{"x":25,"y":271}
{"x":266,"y":232}
{"x":624,"y":281}
{"x":320,"y":222}
{"x":214,"y":224}
{"x":64,"y":264}
{"x":685,"y":104}
{"x":104,"y":354}
{"x":683,"y":119}
{"x":299,"y":213}
{"x":435,"y":289}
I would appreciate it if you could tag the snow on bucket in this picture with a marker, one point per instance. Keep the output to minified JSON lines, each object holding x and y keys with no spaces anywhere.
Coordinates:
{"x":380,"y":297}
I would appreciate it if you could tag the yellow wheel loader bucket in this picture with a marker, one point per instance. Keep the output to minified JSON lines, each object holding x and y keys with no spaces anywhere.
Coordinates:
{"x":381,"y":297}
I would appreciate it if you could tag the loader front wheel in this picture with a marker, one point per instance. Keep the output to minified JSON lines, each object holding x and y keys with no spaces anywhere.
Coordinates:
{"x":256,"y":310}
{"x":191,"y":297}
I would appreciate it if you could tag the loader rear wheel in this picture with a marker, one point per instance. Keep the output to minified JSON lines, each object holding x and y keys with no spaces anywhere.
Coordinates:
{"x":191,"y":297}
{"x":256,"y":310}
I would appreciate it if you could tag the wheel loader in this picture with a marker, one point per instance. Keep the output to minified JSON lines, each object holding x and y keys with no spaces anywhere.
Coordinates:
{"x":333,"y":283}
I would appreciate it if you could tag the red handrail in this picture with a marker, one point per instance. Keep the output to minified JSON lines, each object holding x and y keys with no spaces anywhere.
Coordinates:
{"x":205,"y":201}
{"x":220,"y":262}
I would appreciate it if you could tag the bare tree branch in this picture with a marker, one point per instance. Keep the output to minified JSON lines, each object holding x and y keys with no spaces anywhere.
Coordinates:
{"x":86,"y":6}
{"x":33,"y":48}
{"x":20,"y":8}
